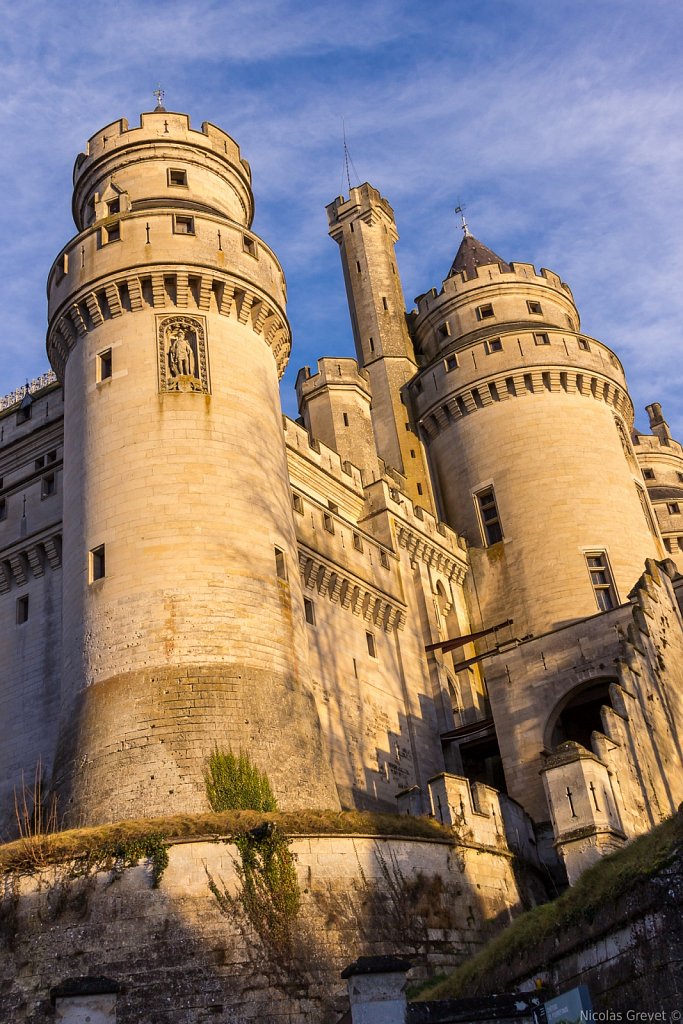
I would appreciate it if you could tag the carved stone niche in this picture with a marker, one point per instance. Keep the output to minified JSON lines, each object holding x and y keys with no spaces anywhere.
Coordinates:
{"x":182,"y":355}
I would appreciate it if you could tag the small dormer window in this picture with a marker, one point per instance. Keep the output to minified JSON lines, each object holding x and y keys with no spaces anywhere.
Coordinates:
{"x":177,"y":176}
{"x":114,"y":207}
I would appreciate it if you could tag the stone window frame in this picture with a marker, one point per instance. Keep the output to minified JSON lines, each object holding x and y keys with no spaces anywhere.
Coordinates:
{"x":485,"y":311}
{"x":534,"y":307}
{"x":383,"y":558}
{"x":249,"y":246}
{"x":104,"y":366}
{"x":488,"y":515}
{"x":541,"y":338}
{"x":97,"y":565}
{"x":186,"y":219}
{"x":280,"y":563}
{"x":357,"y":541}
{"x":450,"y":363}
{"x":492,"y":345}
{"x":328,"y":522}
{"x":22,"y":609}
{"x":371,"y":644}
{"x":601,"y":578}
{"x":673,"y":508}
{"x":309,"y":611}
{"x":110,"y":234}
{"x":48,"y":486}
{"x":648,"y":473}
{"x":178,"y":171}
{"x":583,"y":344}
{"x":297,"y":503}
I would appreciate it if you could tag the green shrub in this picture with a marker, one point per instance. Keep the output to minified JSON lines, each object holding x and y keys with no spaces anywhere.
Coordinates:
{"x":234,"y":783}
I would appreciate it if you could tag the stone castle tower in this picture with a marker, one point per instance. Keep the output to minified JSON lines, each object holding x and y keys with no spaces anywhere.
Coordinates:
{"x":169,"y":331}
{"x":444,"y":587}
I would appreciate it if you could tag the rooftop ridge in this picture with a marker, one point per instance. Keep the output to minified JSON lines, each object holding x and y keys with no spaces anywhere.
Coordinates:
{"x":37,"y":384}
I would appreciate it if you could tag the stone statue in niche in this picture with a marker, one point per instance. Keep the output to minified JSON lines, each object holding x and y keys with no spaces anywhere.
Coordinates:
{"x":182,"y":354}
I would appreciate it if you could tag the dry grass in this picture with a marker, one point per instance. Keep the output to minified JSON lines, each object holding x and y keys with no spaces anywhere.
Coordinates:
{"x":88,"y":844}
{"x":596,"y":890}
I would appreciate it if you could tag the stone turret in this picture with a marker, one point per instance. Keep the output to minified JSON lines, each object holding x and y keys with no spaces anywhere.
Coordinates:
{"x":365,"y":230}
{"x":660,"y":458}
{"x":527,"y":423}
{"x":183,"y":624}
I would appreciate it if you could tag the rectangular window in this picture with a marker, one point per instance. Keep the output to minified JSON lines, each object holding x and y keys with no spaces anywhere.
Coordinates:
{"x":249,"y":245}
{"x":22,"y":609}
{"x":114,"y":207}
{"x":328,"y":523}
{"x":445,"y":330}
{"x":534,"y":307}
{"x":298,"y":503}
{"x":183,"y":225}
{"x":96,"y":567}
{"x":309,"y":611}
{"x":419,"y":489}
{"x":601,"y":580}
{"x":177,"y":176}
{"x":384,"y":303}
{"x":40,"y":462}
{"x":346,"y":419}
{"x":649,"y":474}
{"x":673,"y":508}
{"x":541,"y":339}
{"x":488,"y":515}
{"x":48,"y":485}
{"x":372,"y":647}
{"x":451,"y":363}
{"x":280,"y":564}
{"x":485,"y":312}
{"x":384,"y":558}
{"x":3,"y":508}
{"x":111,"y":234}
{"x":493,"y":345}
{"x":24,"y":412}
{"x":357,"y":542}
{"x":104,"y":365}
{"x":51,"y":456}
{"x":679,"y":475}
{"x":583,"y":344}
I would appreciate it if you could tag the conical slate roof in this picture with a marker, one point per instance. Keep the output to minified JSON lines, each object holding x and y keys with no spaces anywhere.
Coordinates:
{"x":472,"y":254}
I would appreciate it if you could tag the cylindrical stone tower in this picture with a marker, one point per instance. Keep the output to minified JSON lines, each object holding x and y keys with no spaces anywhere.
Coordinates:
{"x":528,"y":429}
{"x":183,"y":617}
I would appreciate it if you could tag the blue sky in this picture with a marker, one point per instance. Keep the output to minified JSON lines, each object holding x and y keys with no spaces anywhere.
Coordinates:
{"x":559,"y":125}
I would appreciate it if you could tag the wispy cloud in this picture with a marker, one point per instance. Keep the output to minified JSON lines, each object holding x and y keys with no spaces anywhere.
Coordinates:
{"x":559,"y":125}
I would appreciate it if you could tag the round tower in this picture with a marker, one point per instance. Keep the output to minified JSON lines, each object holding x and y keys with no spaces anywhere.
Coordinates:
{"x":183,"y":620}
{"x":528,"y":422}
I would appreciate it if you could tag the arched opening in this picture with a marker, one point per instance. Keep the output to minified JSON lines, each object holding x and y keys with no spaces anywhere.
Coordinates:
{"x":579,"y":714}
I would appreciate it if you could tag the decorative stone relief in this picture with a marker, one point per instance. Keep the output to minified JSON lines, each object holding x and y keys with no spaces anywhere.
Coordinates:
{"x":183,"y":363}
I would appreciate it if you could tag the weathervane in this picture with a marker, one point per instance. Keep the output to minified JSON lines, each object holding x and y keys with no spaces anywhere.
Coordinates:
{"x":465,"y":229}
{"x":159,"y":93}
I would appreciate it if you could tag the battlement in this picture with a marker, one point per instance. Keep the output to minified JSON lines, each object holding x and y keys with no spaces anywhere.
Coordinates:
{"x":332,"y":372}
{"x":364,"y":203}
{"x":159,"y":126}
{"x":297,"y":437}
{"x":31,"y":387}
{"x":520,"y":273}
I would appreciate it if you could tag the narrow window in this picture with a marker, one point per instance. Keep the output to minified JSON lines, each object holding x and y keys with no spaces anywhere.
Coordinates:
{"x":445,"y":330}
{"x":3,"y":508}
{"x":679,"y":475}
{"x":673,"y":508}
{"x":309,"y":611}
{"x":462,"y":407}
{"x":104,"y":365}
{"x":493,"y":345}
{"x":177,"y":176}
{"x":96,"y":568}
{"x":601,"y":580}
{"x":372,"y":648}
{"x":346,"y":419}
{"x":649,"y":474}
{"x":328,"y":523}
{"x":280,"y":564}
{"x":249,"y":245}
{"x":488,"y":515}
{"x":451,"y":363}
{"x":529,"y":382}
{"x":510,"y":385}
{"x":51,"y":456}
{"x":384,"y":302}
{"x":48,"y":485}
{"x":298,"y":503}
{"x":384,"y":558}
{"x":22,"y":609}
{"x":183,"y":225}
{"x":358,"y":266}
{"x":649,"y":519}
{"x":484,"y":312}
{"x":541,"y":339}
{"x":40,"y":462}
{"x":419,"y":489}
{"x":111,"y":234}
{"x":357,"y":542}
{"x":24,"y":412}
{"x":583,"y":344}
{"x":372,"y":345}
{"x":412,"y":454}
{"x":478,"y":401}
{"x":534,"y":307}
{"x":114,"y":207}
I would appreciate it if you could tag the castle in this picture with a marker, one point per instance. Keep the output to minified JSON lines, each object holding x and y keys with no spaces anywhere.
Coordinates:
{"x":453,"y":581}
